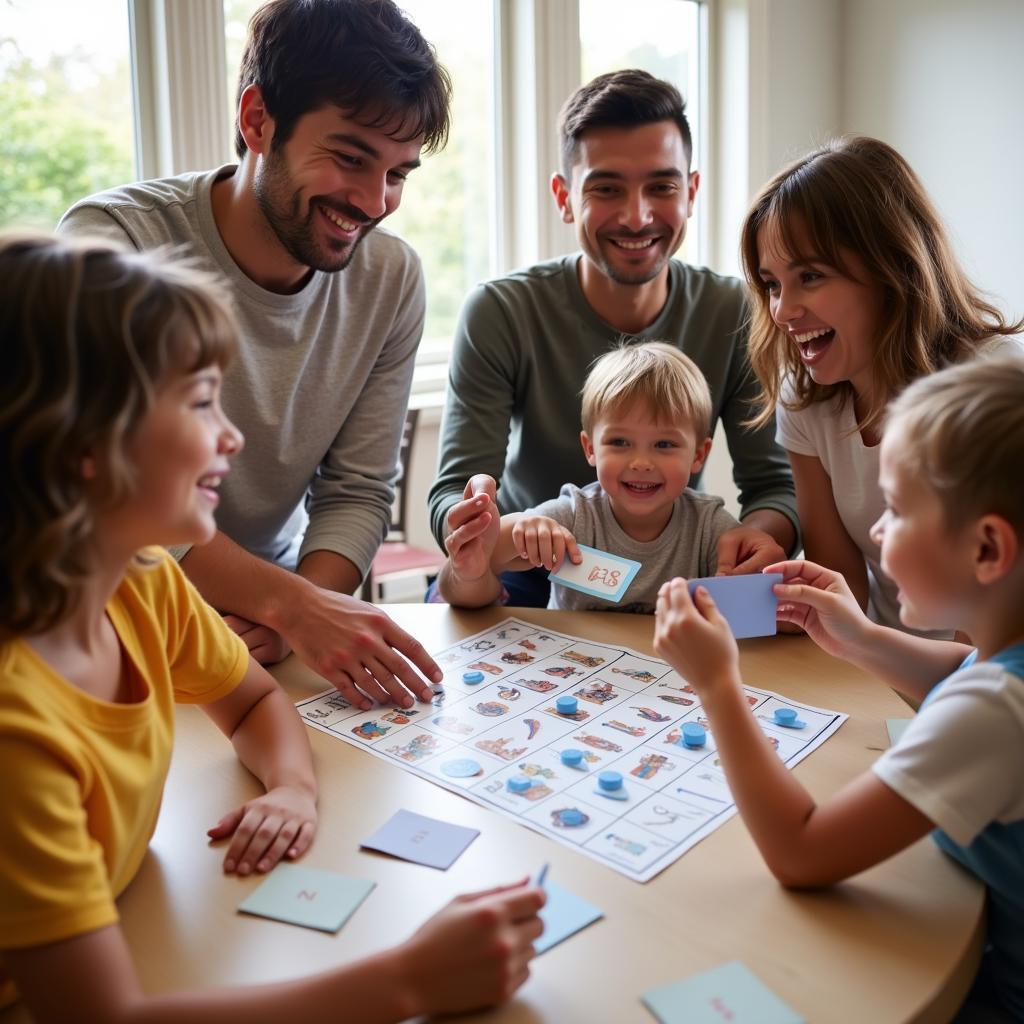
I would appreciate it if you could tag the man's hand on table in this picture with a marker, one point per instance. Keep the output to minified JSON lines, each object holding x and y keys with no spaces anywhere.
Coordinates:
{"x":354,"y":646}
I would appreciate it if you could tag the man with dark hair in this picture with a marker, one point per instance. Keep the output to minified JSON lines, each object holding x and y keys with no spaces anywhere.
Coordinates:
{"x":336,"y":100}
{"x":525,"y":341}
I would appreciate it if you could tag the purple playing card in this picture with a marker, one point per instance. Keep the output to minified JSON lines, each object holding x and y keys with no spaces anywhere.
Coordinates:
{"x":438,"y":844}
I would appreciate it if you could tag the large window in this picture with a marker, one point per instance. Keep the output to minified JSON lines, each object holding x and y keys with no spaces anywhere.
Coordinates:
{"x":471,"y":211}
{"x":66,"y":96}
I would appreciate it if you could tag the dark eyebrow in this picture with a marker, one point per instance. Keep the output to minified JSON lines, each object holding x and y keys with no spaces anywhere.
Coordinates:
{"x":599,"y":175}
{"x":356,"y":142}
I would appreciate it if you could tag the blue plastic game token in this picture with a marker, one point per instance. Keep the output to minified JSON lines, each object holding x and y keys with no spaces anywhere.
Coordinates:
{"x":472,"y":678}
{"x":462,"y":768}
{"x":572,"y":758}
{"x":609,"y":784}
{"x":518,"y":783}
{"x":693,"y":735}
{"x":566,"y":705}
{"x":571,"y":817}
{"x":786,"y":717}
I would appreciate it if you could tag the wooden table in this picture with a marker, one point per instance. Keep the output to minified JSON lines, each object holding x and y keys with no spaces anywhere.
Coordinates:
{"x":898,"y":943}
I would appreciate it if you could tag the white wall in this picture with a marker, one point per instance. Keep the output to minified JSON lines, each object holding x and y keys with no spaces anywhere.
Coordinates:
{"x":943,"y":82}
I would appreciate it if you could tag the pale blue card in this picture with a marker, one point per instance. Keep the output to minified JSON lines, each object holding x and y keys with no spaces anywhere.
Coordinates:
{"x":896,"y":727}
{"x":563,"y":915}
{"x":600,"y":573}
{"x":747,"y":602}
{"x":727,"y":993}
{"x":438,"y":844}
{"x":306,"y":896}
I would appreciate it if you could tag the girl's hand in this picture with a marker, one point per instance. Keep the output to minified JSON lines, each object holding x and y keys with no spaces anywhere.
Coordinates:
{"x":475,"y":952}
{"x":544,"y":543}
{"x":279,"y":824}
{"x":694,"y":638}
{"x":820,"y":601}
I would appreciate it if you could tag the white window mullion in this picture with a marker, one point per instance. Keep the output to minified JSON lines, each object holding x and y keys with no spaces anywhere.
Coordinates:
{"x":538,"y":66}
{"x":178,"y":64}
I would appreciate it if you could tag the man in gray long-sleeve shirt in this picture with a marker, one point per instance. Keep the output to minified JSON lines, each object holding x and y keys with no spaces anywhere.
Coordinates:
{"x":524,"y":342}
{"x":336,"y":100}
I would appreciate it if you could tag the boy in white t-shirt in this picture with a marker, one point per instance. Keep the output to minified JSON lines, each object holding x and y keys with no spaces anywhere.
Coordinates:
{"x":952,"y":539}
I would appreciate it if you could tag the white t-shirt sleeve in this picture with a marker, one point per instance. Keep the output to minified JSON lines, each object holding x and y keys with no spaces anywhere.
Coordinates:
{"x":961,"y":760}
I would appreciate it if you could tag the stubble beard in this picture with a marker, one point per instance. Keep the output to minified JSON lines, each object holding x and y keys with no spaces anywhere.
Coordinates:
{"x":281,"y":206}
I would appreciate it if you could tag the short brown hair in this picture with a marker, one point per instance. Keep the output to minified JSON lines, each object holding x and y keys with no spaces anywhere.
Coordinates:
{"x":965,"y":431}
{"x":620,"y":99}
{"x":653,"y":373}
{"x":365,"y":56}
{"x":859,"y":195}
{"x":88,"y":332}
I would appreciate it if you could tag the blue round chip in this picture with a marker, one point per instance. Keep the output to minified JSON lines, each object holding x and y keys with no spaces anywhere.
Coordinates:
{"x":462,"y":768}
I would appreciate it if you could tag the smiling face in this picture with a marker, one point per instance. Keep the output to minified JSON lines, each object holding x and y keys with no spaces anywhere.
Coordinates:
{"x":630,"y":197}
{"x":330,"y":184}
{"x":643,"y":465}
{"x":833,"y":319}
{"x":931,"y":564}
{"x":180,"y":452}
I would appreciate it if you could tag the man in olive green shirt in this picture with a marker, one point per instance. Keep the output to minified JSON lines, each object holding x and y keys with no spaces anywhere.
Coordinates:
{"x":524,"y":342}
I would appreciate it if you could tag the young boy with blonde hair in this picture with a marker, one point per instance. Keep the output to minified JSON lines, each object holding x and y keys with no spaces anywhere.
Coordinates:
{"x":952,"y":539}
{"x":646,"y":420}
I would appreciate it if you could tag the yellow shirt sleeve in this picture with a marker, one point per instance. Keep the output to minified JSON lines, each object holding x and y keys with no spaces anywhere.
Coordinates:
{"x":53,"y":876}
{"x":207,"y":659}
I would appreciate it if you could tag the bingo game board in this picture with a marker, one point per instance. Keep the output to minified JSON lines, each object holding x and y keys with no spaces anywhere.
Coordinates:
{"x":496,"y":736}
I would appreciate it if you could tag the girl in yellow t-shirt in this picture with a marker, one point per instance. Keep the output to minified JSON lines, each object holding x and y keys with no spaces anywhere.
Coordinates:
{"x":112,"y":440}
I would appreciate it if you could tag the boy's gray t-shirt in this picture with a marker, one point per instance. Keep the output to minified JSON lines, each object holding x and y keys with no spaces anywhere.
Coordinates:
{"x":319,"y":386}
{"x":686,"y":547}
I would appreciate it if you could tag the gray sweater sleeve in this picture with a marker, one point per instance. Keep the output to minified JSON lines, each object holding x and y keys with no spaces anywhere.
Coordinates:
{"x":351,"y":494}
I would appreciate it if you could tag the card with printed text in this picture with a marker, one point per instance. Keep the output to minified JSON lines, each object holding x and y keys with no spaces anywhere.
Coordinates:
{"x":437,"y":844}
{"x":307,"y":896}
{"x":747,"y":602}
{"x":600,"y":573}
{"x":730,"y":992}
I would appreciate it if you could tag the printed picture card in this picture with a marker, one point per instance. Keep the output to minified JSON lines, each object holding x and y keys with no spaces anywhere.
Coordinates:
{"x":437,"y":844}
{"x":730,"y":992}
{"x":600,"y":573}
{"x":747,"y":602}
{"x":307,"y":897}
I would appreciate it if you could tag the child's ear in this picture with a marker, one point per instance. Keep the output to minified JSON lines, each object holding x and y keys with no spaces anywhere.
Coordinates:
{"x":700,"y":456}
{"x":997,"y":549}
{"x":588,"y":448}
{"x":88,"y":467}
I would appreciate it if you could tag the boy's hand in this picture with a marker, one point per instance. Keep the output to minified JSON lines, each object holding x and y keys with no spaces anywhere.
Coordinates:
{"x":281,"y":823}
{"x":474,"y":525}
{"x":475,"y":952}
{"x":745,"y":549}
{"x":821,"y":602}
{"x":544,"y":543}
{"x":694,"y":638}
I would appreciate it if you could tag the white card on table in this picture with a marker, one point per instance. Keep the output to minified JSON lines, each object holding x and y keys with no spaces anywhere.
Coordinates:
{"x":600,"y":573}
